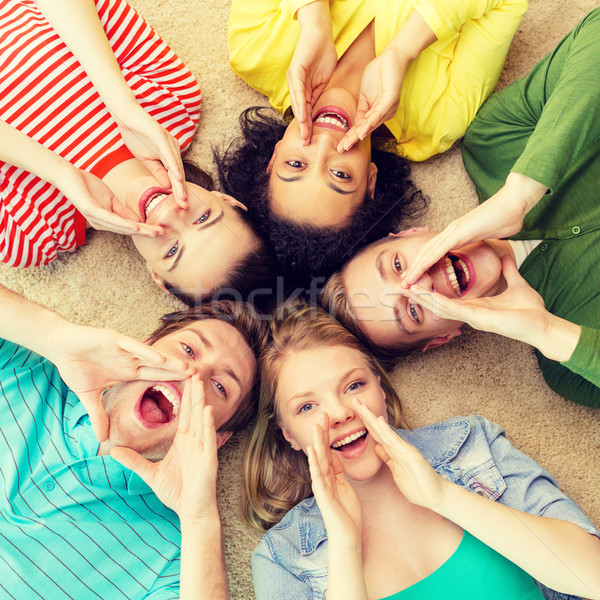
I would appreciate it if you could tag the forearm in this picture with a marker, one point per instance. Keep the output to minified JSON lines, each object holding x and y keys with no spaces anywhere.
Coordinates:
{"x":412,"y":38}
{"x":345,"y":578}
{"x":202,"y":569}
{"x":315,"y":14}
{"x":559,"y":554}
{"x":78,"y":25}
{"x":24,"y":152}
{"x":27,"y":323}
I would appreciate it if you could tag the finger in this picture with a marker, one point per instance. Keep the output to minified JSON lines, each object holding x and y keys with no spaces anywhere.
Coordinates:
{"x":185,"y":410}
{"x":209,"y":434}
{"x":158,"y":171}
{"x":198,"y":404}
{"x":135,"y":462}
{"x":510,"y":271}
{"x":428,"y":255}
{"x":348,"y":140}
{"x":438,"y":304}
{"x":316,"y":475}
{"x":124,"y":211}
{"x":383,"y":455}
{"x":150,"y":356}
{"x":368,"y":418}
{"x":321,"y":448}
{"x":97,"y":415}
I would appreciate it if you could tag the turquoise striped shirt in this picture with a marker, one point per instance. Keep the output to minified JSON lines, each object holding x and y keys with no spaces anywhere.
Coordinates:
{"x":72,"y":524}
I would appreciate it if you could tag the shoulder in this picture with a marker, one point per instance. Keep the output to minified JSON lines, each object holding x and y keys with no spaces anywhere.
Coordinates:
{"x":300,"y":532}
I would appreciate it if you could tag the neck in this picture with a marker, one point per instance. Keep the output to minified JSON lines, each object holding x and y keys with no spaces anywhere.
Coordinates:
{"x":128,"y":180}
{"x":349,"y":70}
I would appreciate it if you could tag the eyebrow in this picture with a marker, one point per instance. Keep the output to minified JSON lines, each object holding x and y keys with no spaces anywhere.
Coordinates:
{"x":311,"y":393}
{"x":380,"y":267}
{"x":202,"y":227}
{"x":399,"y":323}
{"x":208,"y":344}
{"x":334,"y":187}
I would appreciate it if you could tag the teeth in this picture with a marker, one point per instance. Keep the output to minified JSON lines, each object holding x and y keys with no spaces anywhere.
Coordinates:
{"x":333,"y":119}
{"x":153,"y":201}
{"x":349,"y":438}
{"x":169,"y":395}
{"x":452,"y":274}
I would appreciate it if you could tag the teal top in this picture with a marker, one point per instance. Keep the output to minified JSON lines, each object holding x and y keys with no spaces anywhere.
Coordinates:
{"x":473,"y":572}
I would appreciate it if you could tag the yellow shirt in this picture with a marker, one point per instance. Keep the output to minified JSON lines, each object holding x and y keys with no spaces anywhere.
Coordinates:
{"x":443,"y":87}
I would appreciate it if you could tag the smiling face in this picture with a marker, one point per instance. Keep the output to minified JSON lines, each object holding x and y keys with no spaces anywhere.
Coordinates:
{"x":200,"y":245}
{"x":390,"y":319}
{"x":144,"y":414}
{"x":326,"y":380}
{"x":315,"y":184}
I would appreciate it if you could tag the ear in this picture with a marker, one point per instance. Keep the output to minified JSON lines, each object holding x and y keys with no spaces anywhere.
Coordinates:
{"x":222,"y":437}
{"x":440,"y":340}
{"x":273,"y":156}
{"x":157,"y":279}
{"x":372,"y":180}
{"x":288,"y":436}
{"x":411,"y":231}
{"x":230,"y":200}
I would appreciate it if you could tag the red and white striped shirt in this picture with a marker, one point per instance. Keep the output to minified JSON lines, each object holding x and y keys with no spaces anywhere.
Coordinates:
{"x":46,"y":94}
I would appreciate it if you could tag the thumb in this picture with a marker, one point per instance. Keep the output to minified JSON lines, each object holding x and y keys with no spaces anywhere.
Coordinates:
{"x":124,"y":211}
{"x":158,"y":172}
{"x":97,"y":414}
{"x":135,"y":462}
{"x":383,"y":455}
{"x":362,"y":108}
{"x":510,"y":271}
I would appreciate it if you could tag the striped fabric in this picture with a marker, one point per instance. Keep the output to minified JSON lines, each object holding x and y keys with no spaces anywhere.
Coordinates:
{"x":45,"y":93}
{"x":72,"y":524}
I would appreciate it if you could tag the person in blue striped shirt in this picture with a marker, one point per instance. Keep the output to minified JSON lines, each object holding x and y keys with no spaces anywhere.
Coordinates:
{"x":130,"y":512}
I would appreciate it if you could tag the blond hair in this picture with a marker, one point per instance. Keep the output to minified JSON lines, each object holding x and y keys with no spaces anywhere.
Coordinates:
{"x":276,"y":477}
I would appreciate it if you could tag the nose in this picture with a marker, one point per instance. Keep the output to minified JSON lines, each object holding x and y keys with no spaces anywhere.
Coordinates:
{"x":170,"y":215}
{"x":324,"y":142}
{"x":340,"y":412}
{"x":426,"y":280}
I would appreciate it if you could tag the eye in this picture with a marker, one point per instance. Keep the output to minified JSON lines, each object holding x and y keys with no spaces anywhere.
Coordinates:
{"x":340,"y":174}
{"x":172,"y":250}
{"x":306,"y":407}
{"x":295,"y":164}
{"x":203,"y":218}
{"x":220,"y":388}
{"x":188,"y":351}
{"x":355,"y":386}
{"x":397,"y":265}
{"x":414,"y":315}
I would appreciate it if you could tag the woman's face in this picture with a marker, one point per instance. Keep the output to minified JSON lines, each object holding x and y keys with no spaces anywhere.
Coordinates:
{"x":327,"y":380}
{"x":199,"y":245}
{"x":314,"y":184}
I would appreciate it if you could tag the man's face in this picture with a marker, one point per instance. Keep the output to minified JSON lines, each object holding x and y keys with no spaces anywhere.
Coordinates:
{"x":390,"y":319}
{"x":144,"y":414}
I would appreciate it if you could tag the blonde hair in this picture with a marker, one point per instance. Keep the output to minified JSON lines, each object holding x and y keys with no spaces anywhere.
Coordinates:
{"x":276,"y":477}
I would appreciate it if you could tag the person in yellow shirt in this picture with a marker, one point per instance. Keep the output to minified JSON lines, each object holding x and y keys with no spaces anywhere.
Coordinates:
{"x":411,"y":73}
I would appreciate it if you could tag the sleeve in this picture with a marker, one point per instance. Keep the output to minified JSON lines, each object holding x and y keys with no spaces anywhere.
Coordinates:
{"x":529,"y":487}
{"x":446,"y":18}
{"x":272,"y":581}
{"x":13,"y":356}
{"x":577,"y":379}
{"x":165,"y":593}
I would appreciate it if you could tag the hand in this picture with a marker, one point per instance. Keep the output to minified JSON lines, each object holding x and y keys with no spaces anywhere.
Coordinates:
{"x":499,"y":217}
{"x":90,"y":359}
{"x":337,"y":500}
{"x":311,"y":68}
{"x":185,"y":480}
{"x":156,"y":148}
{"x":379,"y":95}
{"x":100,"y":207}
{"x":413,"y":475}
{"x":518,"y":312}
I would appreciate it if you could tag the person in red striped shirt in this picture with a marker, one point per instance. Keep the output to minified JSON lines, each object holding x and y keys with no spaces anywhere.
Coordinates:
{"x":95,"y":109}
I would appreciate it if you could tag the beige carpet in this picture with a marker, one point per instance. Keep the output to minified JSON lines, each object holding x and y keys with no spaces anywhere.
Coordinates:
{"x":106,"y":284}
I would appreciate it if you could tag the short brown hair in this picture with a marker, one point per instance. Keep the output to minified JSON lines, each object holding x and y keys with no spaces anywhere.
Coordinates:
{"x":247,"y":320}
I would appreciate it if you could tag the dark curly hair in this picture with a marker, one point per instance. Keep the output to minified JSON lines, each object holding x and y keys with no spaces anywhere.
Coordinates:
{"x":257,"y":270}
{"x":306,"y":252}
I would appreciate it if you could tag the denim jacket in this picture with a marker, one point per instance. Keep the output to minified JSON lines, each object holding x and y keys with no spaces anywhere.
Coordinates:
{"x":291,"y":560}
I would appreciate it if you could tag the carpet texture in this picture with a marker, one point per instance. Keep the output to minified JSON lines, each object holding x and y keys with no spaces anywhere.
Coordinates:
{"x":105,"y":283}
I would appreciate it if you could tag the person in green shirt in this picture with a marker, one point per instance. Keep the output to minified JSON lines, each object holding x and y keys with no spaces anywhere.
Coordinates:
{"x":533,"y":152}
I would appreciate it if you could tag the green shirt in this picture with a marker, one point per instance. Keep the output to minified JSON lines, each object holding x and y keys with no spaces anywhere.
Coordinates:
{"x":547,"y":126}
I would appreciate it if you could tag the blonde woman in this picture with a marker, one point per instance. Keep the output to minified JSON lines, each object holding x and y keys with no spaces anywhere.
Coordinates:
{"x":428,"y":513}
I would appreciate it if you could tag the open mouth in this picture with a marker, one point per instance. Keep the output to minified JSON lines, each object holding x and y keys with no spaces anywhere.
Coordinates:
{"x":350,"y":442}
{"x":150,"y":199}
{"x":158,"y":406}
{"x":333,"y":118}
{"x":458,"y":273}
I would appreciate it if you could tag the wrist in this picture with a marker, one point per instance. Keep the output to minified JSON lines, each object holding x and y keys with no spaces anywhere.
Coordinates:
{"x":526,"y":191}
{"x":558,"y":339}
{"x":315,"y":14}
